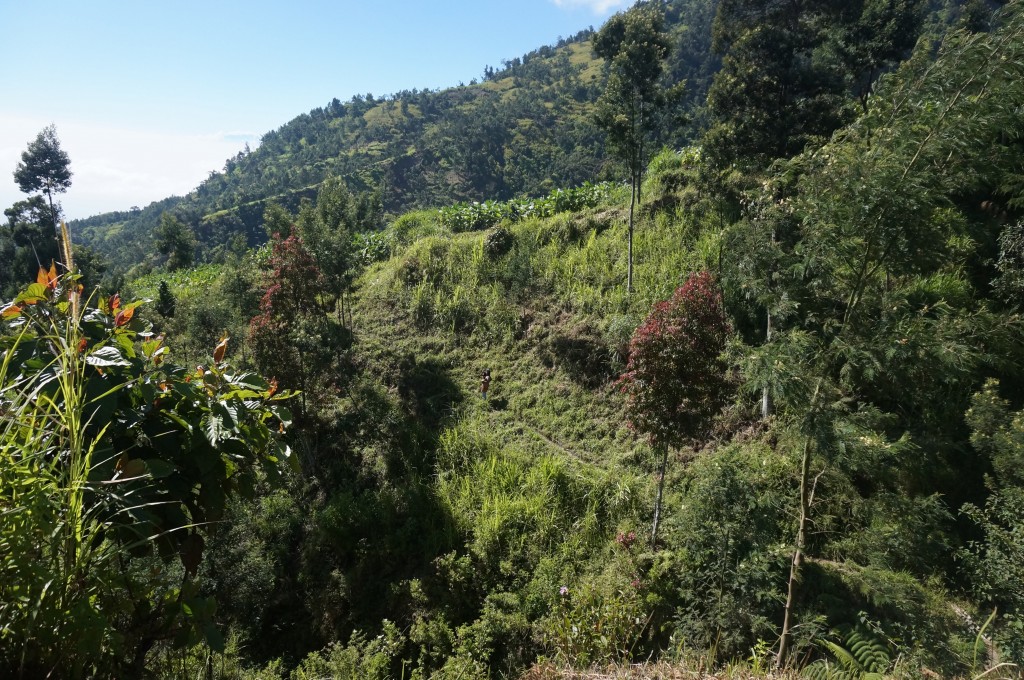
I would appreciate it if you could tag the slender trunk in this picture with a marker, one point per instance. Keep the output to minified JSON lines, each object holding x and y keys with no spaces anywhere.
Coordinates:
{"x":53,"y":218}
{"x":794,"y":567}
{"x":629,"y":270}
{"x":657,"y":498}
{"x":801,"y":535}
{"x":766,"y":397}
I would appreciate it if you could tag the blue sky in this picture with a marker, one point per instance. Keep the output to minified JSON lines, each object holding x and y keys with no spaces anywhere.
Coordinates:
{"x":149,"y":97}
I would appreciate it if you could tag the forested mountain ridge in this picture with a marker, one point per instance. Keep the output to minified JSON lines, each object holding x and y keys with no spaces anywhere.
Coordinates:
{"x":525,"y":129}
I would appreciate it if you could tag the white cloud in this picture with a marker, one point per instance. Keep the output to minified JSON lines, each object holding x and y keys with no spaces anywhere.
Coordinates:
{"x":115,"y":168}
{"x":595,"y":6}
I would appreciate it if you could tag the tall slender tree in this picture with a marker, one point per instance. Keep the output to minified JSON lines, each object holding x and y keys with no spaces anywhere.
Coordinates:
{"x":634,"y":46}
{"x":45,"y":167}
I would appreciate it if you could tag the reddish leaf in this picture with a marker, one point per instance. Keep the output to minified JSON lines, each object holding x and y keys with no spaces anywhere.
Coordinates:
{"x":218,"y":351}
{"x":124,"y":317}
{"x":47,"y":278}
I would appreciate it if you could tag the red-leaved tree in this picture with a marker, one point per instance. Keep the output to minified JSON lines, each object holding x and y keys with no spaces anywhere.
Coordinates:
{"x":675,"y":381}
{"x":289,"y":335}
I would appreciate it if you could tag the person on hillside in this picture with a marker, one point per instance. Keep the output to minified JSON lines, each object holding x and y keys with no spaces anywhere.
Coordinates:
{"x":485,"y":383}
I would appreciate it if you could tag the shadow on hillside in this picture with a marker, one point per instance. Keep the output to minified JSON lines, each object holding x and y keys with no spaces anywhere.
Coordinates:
{"x":370,"y":520}
{"x":427,"y":388}
{"x":580,"y":351}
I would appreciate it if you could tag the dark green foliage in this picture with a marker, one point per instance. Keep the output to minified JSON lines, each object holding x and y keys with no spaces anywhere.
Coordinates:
{"x":165,"y":302}
{"x":45,"y":167}
{"x":721,"y":576}
{"x":997,"y":560}
{"x":29,"y":242}
{"x":870,"y":295}
{"x":791,"y":71}
{"x":1009,"y":284}
{"x":326,"y":229}
{"x":593,"y":625}
{"x":176,"y":241}
{"x":497,"y":242}
{"x":859,"y":654}
{"x":372,"y":247}
{"x":634,"y":46}
{"x":871,"y":284}
{"x":92,"y":266}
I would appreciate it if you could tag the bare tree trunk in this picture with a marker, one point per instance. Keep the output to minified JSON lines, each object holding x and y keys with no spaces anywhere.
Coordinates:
{"x":766,"y":398}
{"x":629,"y":271}
{"x":794,"y":568}
{"x":801,"y":533}
{"x":56,"y":226}
{"x":657,"y":498}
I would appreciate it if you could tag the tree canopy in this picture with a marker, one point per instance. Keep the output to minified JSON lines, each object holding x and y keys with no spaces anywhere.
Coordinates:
{"x":44,"y":167}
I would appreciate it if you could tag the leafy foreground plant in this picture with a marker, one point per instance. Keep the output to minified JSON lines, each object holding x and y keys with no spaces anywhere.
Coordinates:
{"x":114,"y":464}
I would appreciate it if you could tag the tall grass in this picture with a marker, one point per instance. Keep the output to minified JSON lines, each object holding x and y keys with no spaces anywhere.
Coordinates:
{"x":455,"y":284}
{"x":55,"y":562}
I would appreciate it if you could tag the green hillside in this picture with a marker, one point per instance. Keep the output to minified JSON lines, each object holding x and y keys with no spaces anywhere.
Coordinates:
{"x":524,"y":130}
{"x":793,"y":449}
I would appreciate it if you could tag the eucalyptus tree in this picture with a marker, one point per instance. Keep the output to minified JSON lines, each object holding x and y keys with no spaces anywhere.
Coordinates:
{"x":326,"y":228}
{"x":634,"y":46}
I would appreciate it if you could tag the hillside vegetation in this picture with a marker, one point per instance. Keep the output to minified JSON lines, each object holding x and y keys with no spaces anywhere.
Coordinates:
{"x":815,"y":384}
{"x":525,"y":129}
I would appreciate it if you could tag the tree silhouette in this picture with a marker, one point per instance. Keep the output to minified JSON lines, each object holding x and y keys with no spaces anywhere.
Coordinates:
{"x":44,"y":167}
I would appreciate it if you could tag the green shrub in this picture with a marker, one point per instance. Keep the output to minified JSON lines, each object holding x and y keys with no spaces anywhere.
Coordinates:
{"x":497,"y":242}
{"x":362,"y":658}
{"x":594,"y":625}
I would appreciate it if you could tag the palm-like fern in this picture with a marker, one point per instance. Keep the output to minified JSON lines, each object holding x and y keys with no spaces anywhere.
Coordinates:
{"x":863,"y":655}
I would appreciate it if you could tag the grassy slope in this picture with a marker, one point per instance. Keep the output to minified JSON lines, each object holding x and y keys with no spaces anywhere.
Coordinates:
{"x":540,"y":479}
{"x":545,"y":318}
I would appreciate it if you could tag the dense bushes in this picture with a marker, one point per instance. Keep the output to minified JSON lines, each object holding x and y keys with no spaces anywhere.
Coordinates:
{"x":114,"y":464}
{"x":478,"y":216}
